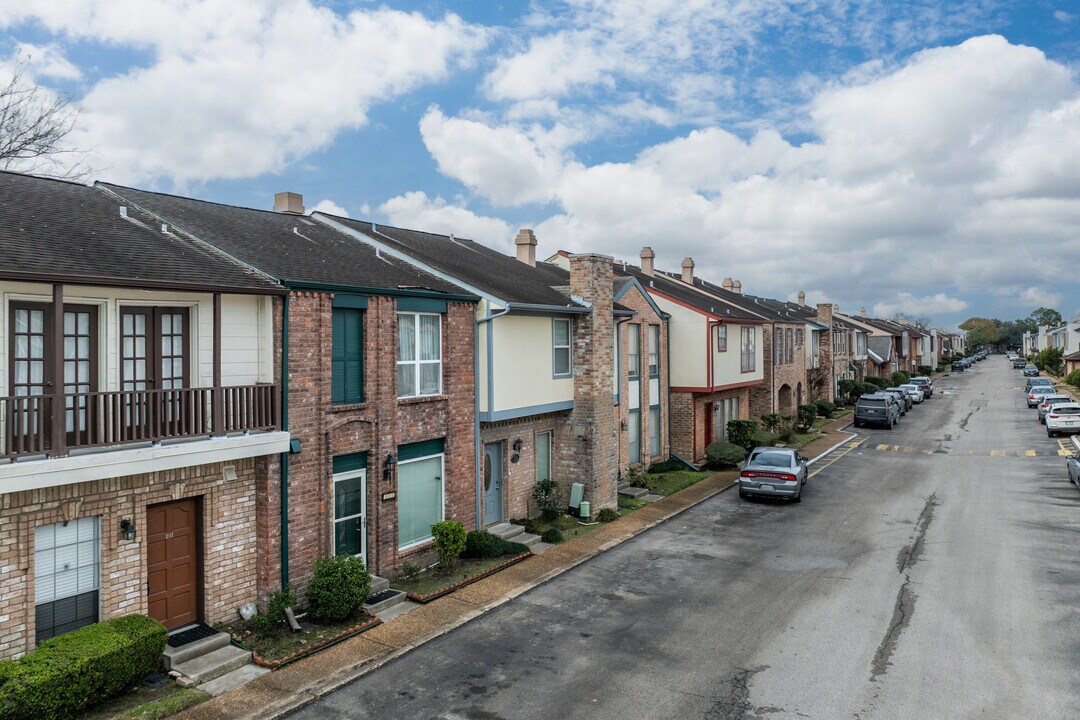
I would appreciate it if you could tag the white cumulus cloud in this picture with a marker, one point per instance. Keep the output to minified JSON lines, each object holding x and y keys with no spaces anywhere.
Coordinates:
{"x":417,"y":210}
{"x":328,"y":206}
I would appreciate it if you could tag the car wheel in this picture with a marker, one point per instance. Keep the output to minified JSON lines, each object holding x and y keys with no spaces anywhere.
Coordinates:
{"x":889,"y":426}
{"x":797,"y":498}
{"x":742,"y":494}
{"x":1050,"y":433}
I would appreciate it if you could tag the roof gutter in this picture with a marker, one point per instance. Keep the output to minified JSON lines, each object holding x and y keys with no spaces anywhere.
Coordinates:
{"x":106,"y":281}
{"x":371,"y":290}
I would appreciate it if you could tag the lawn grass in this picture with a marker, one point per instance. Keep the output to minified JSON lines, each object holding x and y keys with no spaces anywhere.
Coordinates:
{"x":181,"y":699}
{"x":629,"y":505}
{"x":434,"y":579}
{"x":570,"y":527}
{"x":143,"y":703}
{"x":670,"y":483}
{"x":282,"y":643}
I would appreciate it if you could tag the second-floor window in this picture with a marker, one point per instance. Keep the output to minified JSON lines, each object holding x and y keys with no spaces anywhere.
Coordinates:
{"x":654,"y":351}
{"x":778,"y":346}
{"x":721,"y":338}
{"x":419,"y":363}
{"x":347,"y":356}
{"x":633,"y":351}
{"x":561,"y":362}
{"x":747,"y":354}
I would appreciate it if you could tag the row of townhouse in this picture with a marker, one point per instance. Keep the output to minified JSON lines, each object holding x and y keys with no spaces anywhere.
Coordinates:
{"x":198,"y":401}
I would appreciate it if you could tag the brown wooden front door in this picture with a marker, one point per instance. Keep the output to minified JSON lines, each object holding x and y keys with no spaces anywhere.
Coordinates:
{"x":172,"y":562}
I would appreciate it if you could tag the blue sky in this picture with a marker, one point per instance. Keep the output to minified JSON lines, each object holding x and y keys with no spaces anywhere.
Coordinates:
{"x":907,"y":157}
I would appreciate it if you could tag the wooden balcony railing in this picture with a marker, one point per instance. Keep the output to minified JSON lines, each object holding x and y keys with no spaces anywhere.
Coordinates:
{"x":29,"y":425}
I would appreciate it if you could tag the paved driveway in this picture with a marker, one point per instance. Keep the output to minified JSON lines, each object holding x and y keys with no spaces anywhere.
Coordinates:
{"x":932,"y":572}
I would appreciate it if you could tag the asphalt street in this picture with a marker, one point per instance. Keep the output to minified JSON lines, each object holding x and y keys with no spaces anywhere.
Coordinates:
{"x":930,"y":572}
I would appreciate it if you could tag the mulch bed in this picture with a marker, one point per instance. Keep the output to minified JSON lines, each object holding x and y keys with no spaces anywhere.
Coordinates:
{"x":428,"y":597}
{"x":366,"y":624}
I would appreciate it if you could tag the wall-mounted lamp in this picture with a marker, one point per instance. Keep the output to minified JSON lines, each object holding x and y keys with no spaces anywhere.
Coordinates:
{"x":127,"y":529}
{"x":622,"y":425}
{"x":388,"y":468}
{"x":517,"y":445}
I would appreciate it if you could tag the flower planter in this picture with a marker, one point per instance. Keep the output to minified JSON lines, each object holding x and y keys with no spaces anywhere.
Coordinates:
{"x":428,"y":597}
{"x":322,"y":644}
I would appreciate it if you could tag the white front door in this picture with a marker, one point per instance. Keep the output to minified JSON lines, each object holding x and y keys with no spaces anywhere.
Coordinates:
{"x":350,"y":513}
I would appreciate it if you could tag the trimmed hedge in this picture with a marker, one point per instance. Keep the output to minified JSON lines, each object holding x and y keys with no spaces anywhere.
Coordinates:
{"x":825,"y":408}
{"x":71,"y":672}
{"x":482,"y":544}
{"x":741,"y":433}
{"x":339,"y":587}
{"x":722,"y":455}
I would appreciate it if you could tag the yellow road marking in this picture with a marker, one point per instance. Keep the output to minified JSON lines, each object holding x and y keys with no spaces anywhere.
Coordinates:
{"x":909,"y":449}
{"x":882,"y":447}
{"x":1064,"y":452}
{"x":1029,"y":453}
{"x":997,"y":453}
{"x":851,"y":446}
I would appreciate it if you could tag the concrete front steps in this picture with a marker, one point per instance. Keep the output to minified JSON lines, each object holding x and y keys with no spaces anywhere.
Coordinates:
{"x":213,"y":664}
{"x":391,"y":606}
{"x":627,"y":490}
{"x":516,"y":533}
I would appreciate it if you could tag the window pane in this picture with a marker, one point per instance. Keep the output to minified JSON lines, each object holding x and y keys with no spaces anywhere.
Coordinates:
{"x":22,"y":321}
{"x":419,"y":499}
{"x":348,"y":497}
{"x":347,"y":536}
{"x":429,"y":378}
{"x":69,"y":323}
{"x":406,"y":337}
{"x":406,"y":379}
{"x":37,"y":321}
{"x":654,"y":431}
{"x":543,"y":456}
{"x":562,"y":361}
{"x":561,"y":332}
{"x":430,"y":327}
{"x":84,"y":323}
{"x":635,"y":437}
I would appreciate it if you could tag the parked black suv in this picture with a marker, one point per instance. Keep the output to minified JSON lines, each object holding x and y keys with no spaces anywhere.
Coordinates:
{"x":958,"y":366}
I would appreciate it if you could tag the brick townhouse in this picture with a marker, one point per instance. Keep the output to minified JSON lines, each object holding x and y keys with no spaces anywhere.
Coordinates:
{"x":139,"y":422}
{"x":380,"y":385}
{"x":715,"y":361}
{"x":849,"y":349}
{"x":544,"y":373}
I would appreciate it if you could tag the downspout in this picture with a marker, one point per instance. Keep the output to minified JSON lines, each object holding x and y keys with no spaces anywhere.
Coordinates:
{"x":667,"y":369}
{"x":479,"y":446}
{"x":285,"y":455}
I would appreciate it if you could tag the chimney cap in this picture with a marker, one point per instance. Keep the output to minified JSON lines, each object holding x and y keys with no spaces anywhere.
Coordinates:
{"x":647,"y":252}
{"x":525,"y":236}
{"x":688,"y":262}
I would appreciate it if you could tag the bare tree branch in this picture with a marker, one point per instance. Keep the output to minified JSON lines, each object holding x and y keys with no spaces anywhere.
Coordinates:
{"x":34,"y":125}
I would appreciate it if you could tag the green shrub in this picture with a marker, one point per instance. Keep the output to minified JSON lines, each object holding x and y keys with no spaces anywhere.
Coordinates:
{"x":1049,"y":361}
{"x":762,"y":437}
{"x":553,"y":536}
{"x":339,"y":587}
{"x":549,"y":499}
{"x":925,"y":370}
{"x":481,"y":544}
{"x":741,"y":433}
{"x":900,"y":377}
{"x":878,"y":382}
{"x":870,"y":388}
{"x":71,"y":672}
{"x":274,"y":617}
{"x":450,"y":538}
{"x":411,"y":571}
{"x":825,"y":408}
{"x":806,"y":414}
{"x":722,"y":455}
{"x":608,"y":515}
{"x":667,"y":466}
{"x":771,"y":422}
{"x":850,"y":390}
{"x":1073,"y":378}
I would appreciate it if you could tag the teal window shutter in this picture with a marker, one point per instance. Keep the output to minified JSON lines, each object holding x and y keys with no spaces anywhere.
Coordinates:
{"x":347,"y":356}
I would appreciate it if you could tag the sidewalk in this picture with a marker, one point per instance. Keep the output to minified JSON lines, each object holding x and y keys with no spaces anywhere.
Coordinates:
{"x":295,"y":685}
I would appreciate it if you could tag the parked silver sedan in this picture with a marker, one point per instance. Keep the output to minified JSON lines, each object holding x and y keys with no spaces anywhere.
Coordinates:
{"x":773,"y":472}
{"x":1073,"y":463}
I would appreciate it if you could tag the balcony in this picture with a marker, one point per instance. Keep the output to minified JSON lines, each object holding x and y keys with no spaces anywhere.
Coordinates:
{"x":55,"y":425}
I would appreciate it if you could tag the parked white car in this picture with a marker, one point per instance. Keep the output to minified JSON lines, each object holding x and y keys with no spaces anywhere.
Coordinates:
{"x":914,"y":391}
{"x":1063,"y":418}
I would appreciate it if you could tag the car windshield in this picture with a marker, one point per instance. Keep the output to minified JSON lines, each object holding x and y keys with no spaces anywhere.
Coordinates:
{"x":771,"y":459}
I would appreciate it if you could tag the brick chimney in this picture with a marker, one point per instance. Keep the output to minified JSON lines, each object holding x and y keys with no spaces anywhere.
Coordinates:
{"x":526,"y":247}
{"x":688,"y":270}
{"x":736,"y":287}
{"x":802,"y":298}
{"x":727,"y":284}
{"x":902,"y":320}
{"x":825,"y":350}
{"x":592,"y":450}
{"x":862,"y":311}
{"x":289,"y":203}
{"x":647,"y":257}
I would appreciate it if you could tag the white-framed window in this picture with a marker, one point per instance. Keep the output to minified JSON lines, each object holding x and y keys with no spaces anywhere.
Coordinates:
{"x":67,"y":576}
{"x":350,"y":505}
{"x":654,"y":350}
{"x":543,"y":455}
{"x":747,"y":355}
{"x":561,"y":354}
{"x":633,"y":351}
{"x":420,"y":498}
{"x":419,"y":363}
{"x":721,"y":338}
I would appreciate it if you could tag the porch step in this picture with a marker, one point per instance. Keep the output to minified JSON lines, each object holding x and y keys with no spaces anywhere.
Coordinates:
{"x":213,"y":664}
{"x":184,"y":653}
{"x":506,"y":531}
{"x":633,"y":492}
{"x":232,"y":680}
{"x":378,"y":584}
{"x":401,"y":608}
{"x":529,"y":540}
{"x":540,"y":548}
{"x":377,"y":608}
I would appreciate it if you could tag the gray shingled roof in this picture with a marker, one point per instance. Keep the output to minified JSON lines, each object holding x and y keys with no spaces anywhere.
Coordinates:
{"x":684,"y":294}
{"x":479,"y":266}
{"x":288,"y":247}
{"x":881,"y":345}
{"x":72,"y":231}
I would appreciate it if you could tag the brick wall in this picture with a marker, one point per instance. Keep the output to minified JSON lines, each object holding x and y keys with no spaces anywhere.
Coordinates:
{"x":778,"y":394}
{"x":519,"y":477}
{"x":228,"y":548}
{"x":377,"y":426}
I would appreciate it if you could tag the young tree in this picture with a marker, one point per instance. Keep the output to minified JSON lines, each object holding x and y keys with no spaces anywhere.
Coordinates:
{"x":980,"y":331}
{"x":34,"y":125}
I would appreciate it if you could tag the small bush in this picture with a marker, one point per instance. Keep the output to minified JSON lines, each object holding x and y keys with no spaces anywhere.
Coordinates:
{"x":450,"y":538}
{"x":274,"y":617}
{"x":771,"y":422}
{"x":925,"y":370}
{"x":608,"y":515}
{"x":339,"y":587}
{"x":741,"y":433}
{"x":900,"y":377}
{"x":1073,"y":378}
{"x":481,"y":544}
{"x":666,"y":466}
{"x":549,"y":498}
{"x":411,"y":571}
{"x":807,"y":414}
{"x":850,"y":390}
{"x":825,"y":408}
{"x":878,"y":382}
{"x":762,"y":437}
{"x":870,"y":388}
{"x":1049,"y":361}
{"x":553,"y":536}
{"x":637,"y":477}
{"x":721,"y":455}
{"x":71,"y":672}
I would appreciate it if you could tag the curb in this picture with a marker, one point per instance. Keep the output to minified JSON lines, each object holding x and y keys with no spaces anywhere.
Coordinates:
{"x":310,"y":695}
{"x":850,"y":435}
